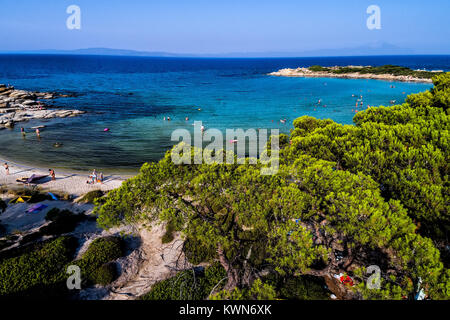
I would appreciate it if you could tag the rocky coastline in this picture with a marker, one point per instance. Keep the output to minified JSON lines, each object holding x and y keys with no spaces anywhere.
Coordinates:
{"x":307,"y":73}
{"x":20,"y":105}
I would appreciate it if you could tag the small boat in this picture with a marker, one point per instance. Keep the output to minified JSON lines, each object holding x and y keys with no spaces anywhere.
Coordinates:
{"x":57,"y":144}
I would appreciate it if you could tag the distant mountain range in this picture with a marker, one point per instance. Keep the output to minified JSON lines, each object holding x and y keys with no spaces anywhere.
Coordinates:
{"x":364,"y":50}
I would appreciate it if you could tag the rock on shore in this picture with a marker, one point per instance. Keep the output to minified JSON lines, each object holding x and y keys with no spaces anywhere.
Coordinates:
{"x":305,"y":72}
{"x":20,"y":105}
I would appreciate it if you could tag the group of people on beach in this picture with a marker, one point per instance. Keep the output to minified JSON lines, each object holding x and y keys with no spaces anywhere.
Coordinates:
{"x":51,"y":172}
{"x":94,"y":178}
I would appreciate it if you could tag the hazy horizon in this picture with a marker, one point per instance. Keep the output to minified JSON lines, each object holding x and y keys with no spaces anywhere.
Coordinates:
{"x":201,"y":27}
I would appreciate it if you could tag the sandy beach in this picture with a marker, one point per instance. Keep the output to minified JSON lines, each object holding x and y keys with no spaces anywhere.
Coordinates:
{"x":68,"y":183}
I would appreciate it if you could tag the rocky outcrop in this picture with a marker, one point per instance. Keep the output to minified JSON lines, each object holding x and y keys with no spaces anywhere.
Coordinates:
{"x":305,"y":72}
{"x":20,"y":105}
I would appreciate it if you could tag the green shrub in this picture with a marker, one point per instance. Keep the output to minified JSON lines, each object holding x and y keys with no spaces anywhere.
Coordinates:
{"x":38,"y":270}
{"x":188,"y":285}
{"x":91,"y":196}
{"x":100,"y":252}
{"x":197,"y":253}
{"x":168,"y":236}
{"x":303,"y":288}
{"x":105,"y":274}
{"x":318,"y":68}
{"x":61,"y":222}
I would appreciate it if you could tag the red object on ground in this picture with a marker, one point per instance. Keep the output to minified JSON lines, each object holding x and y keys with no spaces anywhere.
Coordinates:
{"x":347,"y":280}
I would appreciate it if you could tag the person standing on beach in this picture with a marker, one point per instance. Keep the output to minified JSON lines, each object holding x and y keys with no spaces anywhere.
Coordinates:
{"x":52,"y":174}
{"x":6,"y":168}
{"x":94,"y":176}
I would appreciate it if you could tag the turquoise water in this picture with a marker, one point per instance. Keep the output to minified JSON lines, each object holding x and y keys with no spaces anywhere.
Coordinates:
{"x":131,"y":96}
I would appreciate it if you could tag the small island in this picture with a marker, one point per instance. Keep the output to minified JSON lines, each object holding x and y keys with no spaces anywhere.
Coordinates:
{"x":386,"y":72}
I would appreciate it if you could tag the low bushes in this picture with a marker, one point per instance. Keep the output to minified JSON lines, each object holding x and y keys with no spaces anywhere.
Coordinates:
{"x":318,"y":68}
{"x":91,"y":196}
{"x":170,"y":229}
{"x":36,"y":271}
{"x":298,"y":288}
{"x":197,"y":253}
{"x":94,"y":263}
{"x":105,"y":274}
{"x":62,"y":222}
{"x":39,"y":270}
{"x":188,"y":285}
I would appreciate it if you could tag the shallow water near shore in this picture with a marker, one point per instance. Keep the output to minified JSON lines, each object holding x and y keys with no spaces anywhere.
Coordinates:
{"x":132,"y":95}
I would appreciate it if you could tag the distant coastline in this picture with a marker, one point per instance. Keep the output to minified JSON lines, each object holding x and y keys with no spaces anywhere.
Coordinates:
{"x":389,"y":73}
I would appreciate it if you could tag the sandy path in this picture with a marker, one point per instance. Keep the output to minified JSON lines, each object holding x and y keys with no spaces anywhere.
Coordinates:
{"x":152,"y":262}
{"x":149,"y":261}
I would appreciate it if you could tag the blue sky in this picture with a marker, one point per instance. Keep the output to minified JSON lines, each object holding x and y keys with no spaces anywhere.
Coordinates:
{"x":210,"y":26}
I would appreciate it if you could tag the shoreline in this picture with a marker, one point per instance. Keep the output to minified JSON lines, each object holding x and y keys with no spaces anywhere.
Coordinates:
{"x":307,"y":73}
{"x":72,"y":183}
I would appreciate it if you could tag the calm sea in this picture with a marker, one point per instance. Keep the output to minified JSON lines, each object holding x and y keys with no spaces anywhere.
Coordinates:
{"x":132,"y":95}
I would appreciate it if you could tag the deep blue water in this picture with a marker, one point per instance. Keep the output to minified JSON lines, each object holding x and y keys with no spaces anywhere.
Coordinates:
{"x":132,"y":95}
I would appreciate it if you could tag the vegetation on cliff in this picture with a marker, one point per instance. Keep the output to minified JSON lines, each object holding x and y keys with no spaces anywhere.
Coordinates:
{"x":344,"y":198}
{"x":386,"y":69}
